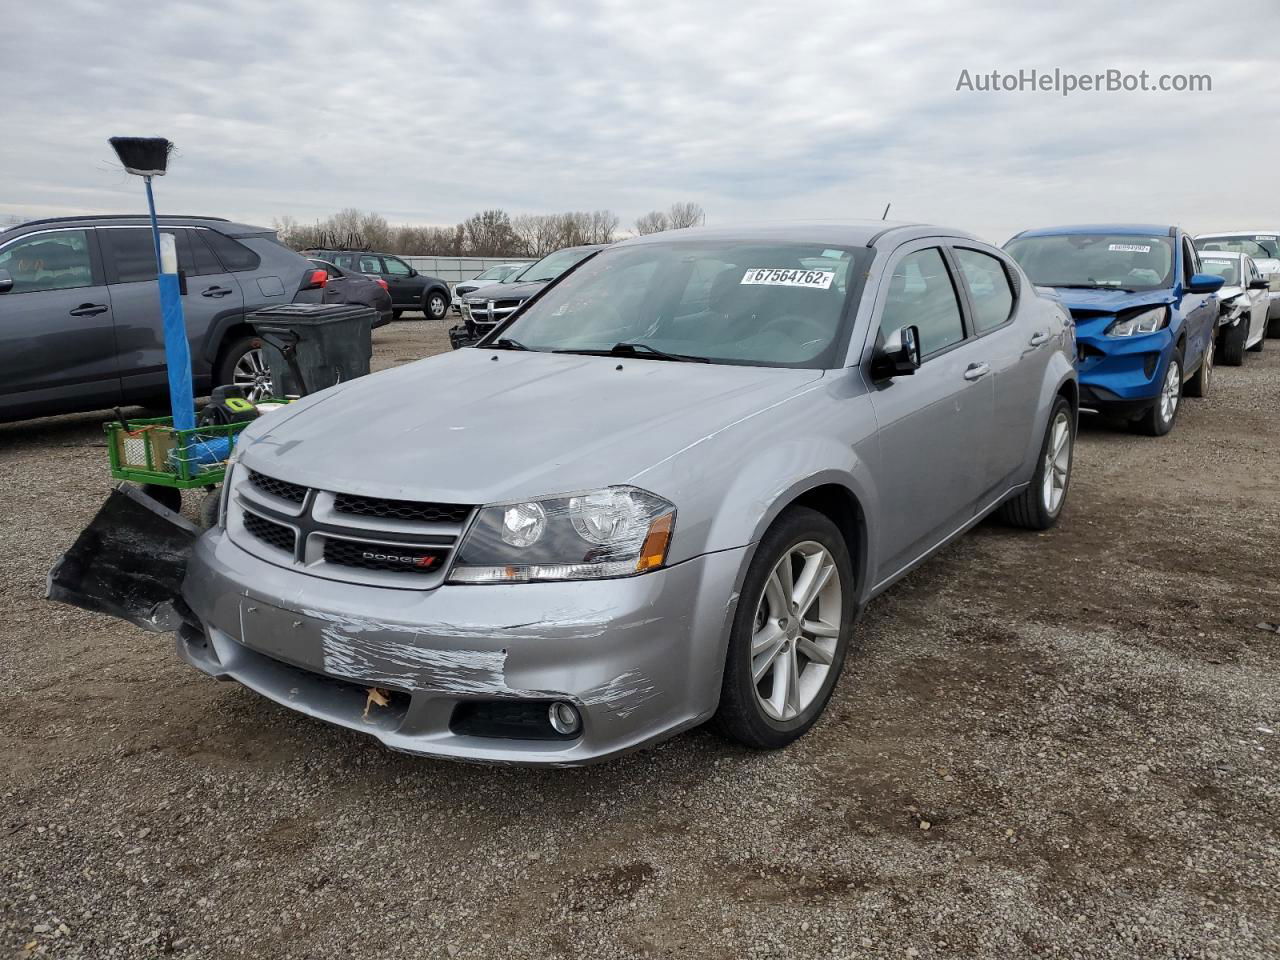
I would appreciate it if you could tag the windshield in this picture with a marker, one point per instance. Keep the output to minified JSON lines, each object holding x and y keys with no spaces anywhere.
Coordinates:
{"x":1258,"y":246}
{"x":552,"y":265}
{"x":1228,"y":270}
{"x":498,"y":273}
{"x":1095,"y":260}
{"x":742,"y":302}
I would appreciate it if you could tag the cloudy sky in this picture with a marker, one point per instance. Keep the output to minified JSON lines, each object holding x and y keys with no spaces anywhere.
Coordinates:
{"x":428,"y":111}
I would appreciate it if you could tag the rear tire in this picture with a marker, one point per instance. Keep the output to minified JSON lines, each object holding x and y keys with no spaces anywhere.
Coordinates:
{"x":1233,"y":344}
{"x":237,"y":366}
{"x":396,"y":314}
{"x":800,"y":537}
{"x":1202,"y":382}
{"x":1161,"y":416}
{"x":1040,"y":505}
{"x":1273,"y":328}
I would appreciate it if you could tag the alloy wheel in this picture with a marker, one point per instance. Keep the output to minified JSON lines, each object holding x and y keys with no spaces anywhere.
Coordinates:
{"x":1169,"y":393}
{"x":796,"y":630}
{"x":252,"y":375}
{"x":1057,"y":463}
{"x":437,"y":306}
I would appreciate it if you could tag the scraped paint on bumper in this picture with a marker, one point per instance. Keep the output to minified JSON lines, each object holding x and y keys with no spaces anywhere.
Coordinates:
{"x":640,"y":657}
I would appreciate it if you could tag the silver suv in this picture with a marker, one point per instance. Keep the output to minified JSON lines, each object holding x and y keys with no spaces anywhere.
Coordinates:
{"x":80,"y":315}
{"x":660,"y":493}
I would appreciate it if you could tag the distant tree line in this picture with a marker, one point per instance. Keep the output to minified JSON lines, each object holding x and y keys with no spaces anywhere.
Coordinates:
{"x":490,"y":233}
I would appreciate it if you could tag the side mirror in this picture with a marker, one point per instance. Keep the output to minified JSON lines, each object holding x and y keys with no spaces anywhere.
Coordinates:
{"x":898,"y":356}
{"x":6,"y":281}
{"x":413,"y":272}
{"x":1262,"y":283}
{"x":1204,"y":283}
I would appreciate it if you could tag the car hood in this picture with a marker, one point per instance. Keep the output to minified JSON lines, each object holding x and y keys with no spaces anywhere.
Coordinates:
{"x":1110,"y":301}
{"x":482,"y":426}
{"x":508,"y":291}
{"x":1228,"y":293}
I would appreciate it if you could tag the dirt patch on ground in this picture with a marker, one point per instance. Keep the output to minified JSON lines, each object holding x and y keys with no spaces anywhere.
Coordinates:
{"x":1046,"y":745}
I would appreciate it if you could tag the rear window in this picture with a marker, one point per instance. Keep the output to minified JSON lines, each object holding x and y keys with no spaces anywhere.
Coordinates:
{"x":236,"y":257}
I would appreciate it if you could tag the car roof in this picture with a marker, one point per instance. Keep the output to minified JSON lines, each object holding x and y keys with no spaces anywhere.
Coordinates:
{"x":1265,"y":231}
{"x":848,"y":233}
{"x":1117,"y":229}
{"x":228,"y":227}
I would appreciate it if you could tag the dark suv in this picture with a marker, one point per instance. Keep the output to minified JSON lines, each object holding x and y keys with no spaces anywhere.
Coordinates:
{"x":80,"y":324}
{"x":409,"y":289}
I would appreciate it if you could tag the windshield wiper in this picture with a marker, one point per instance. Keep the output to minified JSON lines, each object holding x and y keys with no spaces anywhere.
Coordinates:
{"x":506,"y":343}
{"x":1086,"y":286}
{"x":626,"y":349}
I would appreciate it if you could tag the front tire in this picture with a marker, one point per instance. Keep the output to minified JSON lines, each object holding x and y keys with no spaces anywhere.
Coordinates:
{"x":1162,"y":414}
{"x":1273,"y":328}
{"x":790,"y":633}
{"x":1202,"y":382}
{"x":436,"y":305}
{"x":1233,"y":344}
{"x":1039,"y":506}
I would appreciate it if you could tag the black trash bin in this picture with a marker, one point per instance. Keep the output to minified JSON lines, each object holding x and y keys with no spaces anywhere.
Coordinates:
{"x":310,"y":346}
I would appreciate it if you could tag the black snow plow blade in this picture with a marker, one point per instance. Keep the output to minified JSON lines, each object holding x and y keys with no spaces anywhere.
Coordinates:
{"x":129,"y":562}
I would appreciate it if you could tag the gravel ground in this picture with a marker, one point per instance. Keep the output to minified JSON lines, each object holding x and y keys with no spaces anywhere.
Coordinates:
{"x":1046,"y":745}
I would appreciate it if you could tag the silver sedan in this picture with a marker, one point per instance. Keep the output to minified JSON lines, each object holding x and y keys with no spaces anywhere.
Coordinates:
{"x":659,"y":494}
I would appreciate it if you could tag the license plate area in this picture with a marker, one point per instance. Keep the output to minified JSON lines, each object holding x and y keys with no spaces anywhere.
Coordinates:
{"x":281,"y":634}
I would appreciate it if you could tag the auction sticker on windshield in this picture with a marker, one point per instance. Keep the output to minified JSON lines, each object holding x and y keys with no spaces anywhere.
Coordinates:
{"x":788,"y":277}
{"x":1129,"y":248}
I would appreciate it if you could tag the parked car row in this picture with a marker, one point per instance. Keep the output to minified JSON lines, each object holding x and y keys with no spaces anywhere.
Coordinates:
{"x":1155,"y":309}
{"x":409,"y":289}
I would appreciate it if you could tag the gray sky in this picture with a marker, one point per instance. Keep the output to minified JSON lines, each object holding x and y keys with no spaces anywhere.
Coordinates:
{"x":428,"y":111}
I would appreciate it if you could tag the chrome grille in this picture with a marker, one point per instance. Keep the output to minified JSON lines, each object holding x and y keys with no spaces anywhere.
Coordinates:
{"x":377,"y":541}
{"x":410,"y":510}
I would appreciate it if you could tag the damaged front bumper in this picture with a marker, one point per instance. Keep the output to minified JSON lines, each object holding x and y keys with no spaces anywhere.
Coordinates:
{"x":640,"y":657}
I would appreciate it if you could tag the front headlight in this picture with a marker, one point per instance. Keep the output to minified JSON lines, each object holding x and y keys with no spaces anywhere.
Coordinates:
{"x":614,"y":532}
{"x":1148,"y":321}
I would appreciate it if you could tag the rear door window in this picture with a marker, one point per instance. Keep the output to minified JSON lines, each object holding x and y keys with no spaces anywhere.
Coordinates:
{"x":130,"y":253}
{"x":370,"y":265}
{"x":989,"y":289}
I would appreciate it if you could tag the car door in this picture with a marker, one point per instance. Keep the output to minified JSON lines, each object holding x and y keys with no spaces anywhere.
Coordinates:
{"x":1199,"y":310}
{"x":934,"y":427}
{"x":405,"y":290}
{"x":57,"y":338}
{"x":1259,"y":301}
{"x":210,"y":293}
{"x":1017,"y":350}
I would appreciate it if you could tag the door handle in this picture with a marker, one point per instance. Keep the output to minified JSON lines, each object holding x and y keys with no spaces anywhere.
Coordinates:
{"x":976,"y":371}
{"x":1039,"y":338}
{"x":89,"y":310}
{"x":215,"y":292}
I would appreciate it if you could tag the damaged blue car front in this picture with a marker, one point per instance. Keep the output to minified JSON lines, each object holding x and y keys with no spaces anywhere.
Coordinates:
{"x":1145,"y":314}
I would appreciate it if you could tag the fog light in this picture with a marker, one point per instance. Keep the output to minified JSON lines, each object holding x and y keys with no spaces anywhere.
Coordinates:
{"x":564,"y":718}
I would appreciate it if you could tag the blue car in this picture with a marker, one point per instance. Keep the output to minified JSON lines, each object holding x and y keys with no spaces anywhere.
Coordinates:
{"x":1146,"y":316}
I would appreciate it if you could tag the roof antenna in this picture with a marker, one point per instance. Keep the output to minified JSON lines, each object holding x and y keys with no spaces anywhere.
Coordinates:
{"x":885,"y":215}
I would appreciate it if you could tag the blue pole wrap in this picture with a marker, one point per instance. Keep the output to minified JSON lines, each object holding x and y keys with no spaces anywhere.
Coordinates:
{"x":177,"y":351}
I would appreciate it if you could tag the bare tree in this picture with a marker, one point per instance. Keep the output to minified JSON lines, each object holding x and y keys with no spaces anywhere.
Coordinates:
{"x":655,"y":221}
{"x":686,"y":214}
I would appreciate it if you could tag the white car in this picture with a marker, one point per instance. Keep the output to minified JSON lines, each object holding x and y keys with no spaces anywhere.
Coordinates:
{"x":1245,"y":301}
{"x":499,"y":273}
{"x":1264,"y":247}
